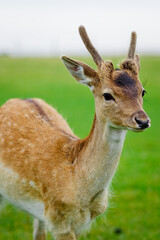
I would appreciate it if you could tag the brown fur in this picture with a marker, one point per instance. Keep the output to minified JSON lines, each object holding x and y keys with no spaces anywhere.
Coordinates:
{"x":45,"y":162}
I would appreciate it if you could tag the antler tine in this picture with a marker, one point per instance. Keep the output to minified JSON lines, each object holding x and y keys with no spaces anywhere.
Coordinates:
{"x":96,"y":57}
{"x":132,"y":46}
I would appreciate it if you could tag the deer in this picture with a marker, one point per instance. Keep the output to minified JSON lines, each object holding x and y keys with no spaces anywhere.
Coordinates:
{"x":46,"y":170}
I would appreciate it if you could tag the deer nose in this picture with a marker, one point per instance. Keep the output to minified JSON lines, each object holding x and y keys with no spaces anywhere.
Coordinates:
{"x":142,"y":124}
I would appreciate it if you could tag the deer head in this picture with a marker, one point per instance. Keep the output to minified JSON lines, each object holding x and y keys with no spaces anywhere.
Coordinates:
{"x":118,"y":93}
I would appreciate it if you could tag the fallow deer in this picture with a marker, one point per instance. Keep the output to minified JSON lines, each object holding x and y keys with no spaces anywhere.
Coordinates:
{"x":49,"y":172}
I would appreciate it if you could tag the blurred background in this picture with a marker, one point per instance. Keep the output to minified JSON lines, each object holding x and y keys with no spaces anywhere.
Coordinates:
{"x":49,"y":27}
{"x":33,"y":34}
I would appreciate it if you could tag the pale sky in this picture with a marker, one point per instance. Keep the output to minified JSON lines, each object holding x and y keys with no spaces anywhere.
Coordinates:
{"x":50,"y":27}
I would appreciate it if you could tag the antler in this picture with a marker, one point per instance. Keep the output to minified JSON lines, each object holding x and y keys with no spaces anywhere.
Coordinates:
{"x":132,"y":46}
{"x":96,"y":57}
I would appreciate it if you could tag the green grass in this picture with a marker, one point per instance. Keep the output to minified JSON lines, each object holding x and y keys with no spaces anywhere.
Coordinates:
{"x":135,"y":192}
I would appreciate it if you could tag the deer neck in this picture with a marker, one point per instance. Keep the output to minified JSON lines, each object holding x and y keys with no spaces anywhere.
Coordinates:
{"x":100,"y":155}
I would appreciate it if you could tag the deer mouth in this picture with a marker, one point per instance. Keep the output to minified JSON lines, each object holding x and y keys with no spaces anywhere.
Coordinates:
{"x":139,"y":129}
{"x":137,"y":124}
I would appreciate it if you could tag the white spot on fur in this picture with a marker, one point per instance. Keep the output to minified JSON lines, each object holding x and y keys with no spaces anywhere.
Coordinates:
{"x":15,"y":124}
{"x":32,"y":111}
{"x":2,"y":140}
{"x":31,"y":145}
{"x":20,"y":139}
{"x":22,"y":150}
{"x":23,"y":181}
{"x":26,"y":115}
{"x":9,"y":124}
{"x":32,"y":184}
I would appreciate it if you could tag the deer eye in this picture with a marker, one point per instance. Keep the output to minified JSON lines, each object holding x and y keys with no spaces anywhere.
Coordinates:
{"x":108,"y":97}
{"x":143,"y":92}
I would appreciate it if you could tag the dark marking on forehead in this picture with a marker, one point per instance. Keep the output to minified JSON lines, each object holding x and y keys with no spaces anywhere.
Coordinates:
{"x":127,"y":84}
{"x":124,"y":80}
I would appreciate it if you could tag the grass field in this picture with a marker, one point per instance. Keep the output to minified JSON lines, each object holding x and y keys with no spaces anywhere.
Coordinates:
{"x":134,"y":211}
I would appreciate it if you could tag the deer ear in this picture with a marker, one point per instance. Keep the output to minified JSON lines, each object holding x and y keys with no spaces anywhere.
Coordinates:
{"x":81,"y":71}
